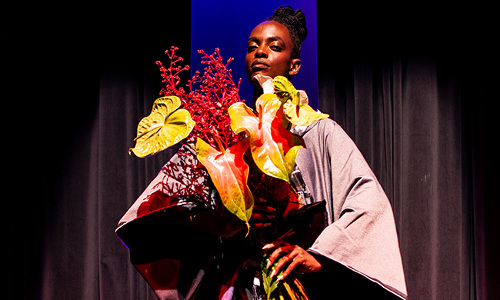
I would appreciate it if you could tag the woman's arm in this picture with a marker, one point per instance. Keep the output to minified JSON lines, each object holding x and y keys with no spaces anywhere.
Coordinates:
{"x":360,"y":232}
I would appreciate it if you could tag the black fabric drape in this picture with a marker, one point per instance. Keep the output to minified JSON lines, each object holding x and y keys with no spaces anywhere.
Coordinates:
{"x":411,"y":84}
{"x":408,"y":126}
{"x":80,"y":78}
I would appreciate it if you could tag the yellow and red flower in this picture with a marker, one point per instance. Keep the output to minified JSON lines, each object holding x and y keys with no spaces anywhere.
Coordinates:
{"x":229,"y":173}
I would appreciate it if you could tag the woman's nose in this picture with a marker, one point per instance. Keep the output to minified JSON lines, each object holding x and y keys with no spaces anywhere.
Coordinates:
{"x":260,"y":52}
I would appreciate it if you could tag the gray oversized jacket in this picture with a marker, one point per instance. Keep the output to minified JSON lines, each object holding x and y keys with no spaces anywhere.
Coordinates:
{"x":360,"y":233}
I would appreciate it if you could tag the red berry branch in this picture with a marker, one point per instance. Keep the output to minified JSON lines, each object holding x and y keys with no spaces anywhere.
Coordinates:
{"x":170,"y":76}
{"x":209,"y":96}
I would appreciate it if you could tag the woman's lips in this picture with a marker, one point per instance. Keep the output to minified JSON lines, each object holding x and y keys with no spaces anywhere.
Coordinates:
{"x":259,"y":65}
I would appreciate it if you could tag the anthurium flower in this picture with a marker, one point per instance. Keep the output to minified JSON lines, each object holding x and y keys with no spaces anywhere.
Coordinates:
{"x":266,"y":83}
{"x":229,"y":173}
{"x":165,"y":126}
{"x":303,"y":115}
{"x":272,"y":145}
{"x":285,"y":90}
{"x":295,"y":106}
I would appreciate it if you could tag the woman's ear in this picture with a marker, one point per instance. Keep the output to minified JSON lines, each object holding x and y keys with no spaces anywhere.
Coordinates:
{"x":294,"y":67}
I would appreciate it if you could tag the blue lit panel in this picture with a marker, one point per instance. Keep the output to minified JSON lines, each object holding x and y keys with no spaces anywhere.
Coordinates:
{"x":227,"y":25}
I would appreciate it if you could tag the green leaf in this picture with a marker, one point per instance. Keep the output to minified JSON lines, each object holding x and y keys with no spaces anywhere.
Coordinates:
{"x":268,"y":283}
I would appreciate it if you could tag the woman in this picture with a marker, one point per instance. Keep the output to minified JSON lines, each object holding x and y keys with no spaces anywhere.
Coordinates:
{"x":361,"y":233}
{"x":355,"y":254}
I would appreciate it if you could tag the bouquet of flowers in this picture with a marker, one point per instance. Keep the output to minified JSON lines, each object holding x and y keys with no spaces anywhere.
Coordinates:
{"x":247,"y":155}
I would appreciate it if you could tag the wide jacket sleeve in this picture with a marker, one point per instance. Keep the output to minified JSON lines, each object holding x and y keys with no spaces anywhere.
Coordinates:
{"x":360,"y":232}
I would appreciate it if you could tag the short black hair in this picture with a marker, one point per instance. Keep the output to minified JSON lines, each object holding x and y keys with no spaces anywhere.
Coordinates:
{"x":295,"y":22}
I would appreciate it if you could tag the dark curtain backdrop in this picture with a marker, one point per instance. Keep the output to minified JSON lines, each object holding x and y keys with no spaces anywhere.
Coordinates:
{"x":412,"y":84}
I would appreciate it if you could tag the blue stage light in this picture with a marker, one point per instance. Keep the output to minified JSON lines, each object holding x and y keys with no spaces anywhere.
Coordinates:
{"x":227,"y":25}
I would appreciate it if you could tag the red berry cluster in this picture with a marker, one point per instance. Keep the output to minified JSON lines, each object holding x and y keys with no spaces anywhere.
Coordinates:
{"x":209,"y":96}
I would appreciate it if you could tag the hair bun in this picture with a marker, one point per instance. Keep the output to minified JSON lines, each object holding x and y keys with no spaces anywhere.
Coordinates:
{"x":295,"y":22}
{"x":295,"y":19}
{"x":300,"y":18}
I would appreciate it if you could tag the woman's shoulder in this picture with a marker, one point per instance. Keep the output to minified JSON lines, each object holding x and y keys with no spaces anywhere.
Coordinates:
{"x":322,"y":127}
{"x":327,"y":124}
{"x":327,"y":133}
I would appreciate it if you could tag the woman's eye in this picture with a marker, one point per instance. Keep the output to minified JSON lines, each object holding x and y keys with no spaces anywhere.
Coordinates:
{"x":275,"y":48}
{"x":251,"y":48}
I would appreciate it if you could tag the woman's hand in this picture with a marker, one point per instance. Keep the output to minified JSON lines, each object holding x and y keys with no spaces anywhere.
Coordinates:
{"x":295,"y":259}
{"x":262,"y":215}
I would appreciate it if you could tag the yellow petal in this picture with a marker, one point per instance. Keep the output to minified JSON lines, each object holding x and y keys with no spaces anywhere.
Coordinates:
{"x":165,"y":126}
{"x":303,"y":115}
{"x":285,"y":90}
{"x":296,"y":111}
{"x":242,"y":117}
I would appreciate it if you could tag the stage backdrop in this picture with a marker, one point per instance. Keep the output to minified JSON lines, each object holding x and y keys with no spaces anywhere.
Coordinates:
{"x":228,"y":24}
{"x":413,"y":84}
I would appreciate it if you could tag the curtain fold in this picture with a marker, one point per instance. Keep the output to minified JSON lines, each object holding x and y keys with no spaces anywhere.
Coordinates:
{"x":406,"y":120}
{"x":414,"y":96}
{"x":79,"y":81}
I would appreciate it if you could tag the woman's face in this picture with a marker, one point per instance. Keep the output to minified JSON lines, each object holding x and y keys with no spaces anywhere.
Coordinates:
{"x":269,"y":52}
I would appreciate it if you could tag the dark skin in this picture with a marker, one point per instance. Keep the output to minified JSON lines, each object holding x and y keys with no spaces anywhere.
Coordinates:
{"x":269,"y":52}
